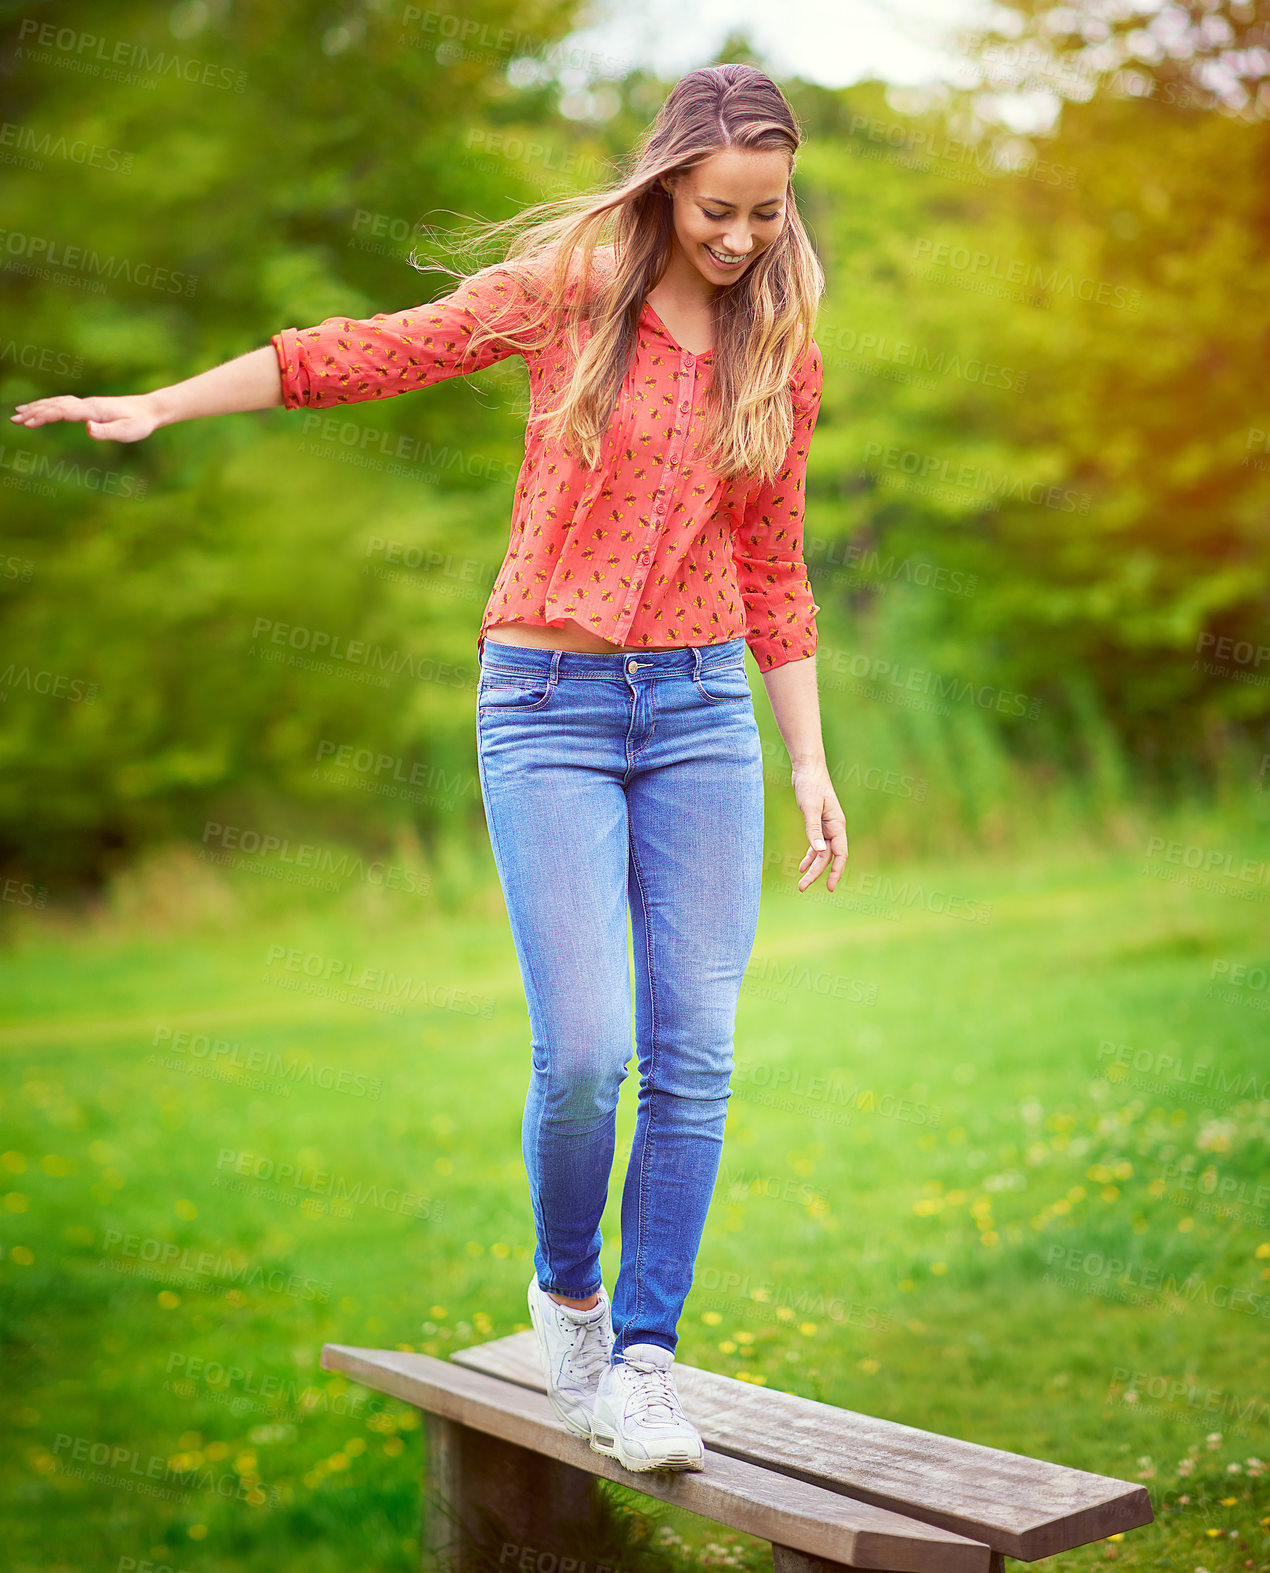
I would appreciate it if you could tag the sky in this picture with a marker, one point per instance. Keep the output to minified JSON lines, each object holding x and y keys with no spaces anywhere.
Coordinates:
{"x":834,"y":42}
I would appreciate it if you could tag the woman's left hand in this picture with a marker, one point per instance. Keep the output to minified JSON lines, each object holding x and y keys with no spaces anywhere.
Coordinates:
{"x":826,"y":825}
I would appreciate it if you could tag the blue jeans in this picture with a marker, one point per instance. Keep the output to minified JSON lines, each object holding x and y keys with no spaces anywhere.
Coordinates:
{"x":611,"y":780}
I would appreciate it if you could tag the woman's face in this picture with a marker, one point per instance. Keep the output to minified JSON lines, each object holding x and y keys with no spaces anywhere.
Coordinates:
{"x":728,"y":209}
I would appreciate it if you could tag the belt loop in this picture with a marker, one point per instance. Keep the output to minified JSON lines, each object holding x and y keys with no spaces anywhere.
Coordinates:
{"x":555,"y":666}
{"x":696,"y":663}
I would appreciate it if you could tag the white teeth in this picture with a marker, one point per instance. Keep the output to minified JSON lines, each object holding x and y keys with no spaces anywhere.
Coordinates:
{"x":724,"y":256}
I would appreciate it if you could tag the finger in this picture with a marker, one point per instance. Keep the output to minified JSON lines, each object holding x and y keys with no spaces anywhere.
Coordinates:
{"x":60,"y":408}
{"x":814,"y":833}
{"x":809,"y":878}
{"x":813,"y":873}
{"x":838,"y":842}
{"x":809,"y":858}
{"x":32,"y":417}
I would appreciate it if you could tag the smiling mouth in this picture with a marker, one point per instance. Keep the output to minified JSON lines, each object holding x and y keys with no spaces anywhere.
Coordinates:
{"x":728,"y":259}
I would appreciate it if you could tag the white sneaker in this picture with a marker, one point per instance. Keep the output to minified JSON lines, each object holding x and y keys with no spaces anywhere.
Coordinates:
{"x":637,"y":1418}
{"x":575,"y":1348}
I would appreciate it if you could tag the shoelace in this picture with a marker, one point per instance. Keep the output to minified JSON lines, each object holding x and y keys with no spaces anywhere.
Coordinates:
{"x":587,"y":1354}
{"x":652,"y":1397}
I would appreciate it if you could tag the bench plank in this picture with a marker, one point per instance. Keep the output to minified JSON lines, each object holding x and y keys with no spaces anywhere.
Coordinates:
{"x":731,"y":1491}
{"x":1022,"y":1507}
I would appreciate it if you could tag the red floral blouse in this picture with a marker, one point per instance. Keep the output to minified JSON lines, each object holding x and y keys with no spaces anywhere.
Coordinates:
{"x":649,"y":548}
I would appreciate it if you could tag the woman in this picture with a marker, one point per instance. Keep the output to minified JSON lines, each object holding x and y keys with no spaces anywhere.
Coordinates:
{"x":657,"y":529}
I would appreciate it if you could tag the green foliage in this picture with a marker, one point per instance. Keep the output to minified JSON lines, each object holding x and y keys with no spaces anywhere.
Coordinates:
{"x":960,"y":396}
{"x":1036,"y":480}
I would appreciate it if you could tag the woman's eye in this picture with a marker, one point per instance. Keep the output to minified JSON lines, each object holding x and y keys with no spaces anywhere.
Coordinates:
{"x":766,"y":218}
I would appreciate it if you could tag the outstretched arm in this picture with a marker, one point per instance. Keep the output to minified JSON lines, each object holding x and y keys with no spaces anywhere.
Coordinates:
{"x":342,"y":360}
{"x":250,"y":382}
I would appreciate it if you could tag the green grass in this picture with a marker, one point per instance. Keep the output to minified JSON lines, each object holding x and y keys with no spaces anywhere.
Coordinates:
{"x":930,"y":1165}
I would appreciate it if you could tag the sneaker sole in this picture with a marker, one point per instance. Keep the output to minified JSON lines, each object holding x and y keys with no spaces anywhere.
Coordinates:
{"x":577,"y":1427}
{"x":610,"y":1447}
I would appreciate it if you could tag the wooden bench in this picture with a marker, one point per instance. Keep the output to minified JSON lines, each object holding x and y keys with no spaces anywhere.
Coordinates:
{"x":828,"y":1487}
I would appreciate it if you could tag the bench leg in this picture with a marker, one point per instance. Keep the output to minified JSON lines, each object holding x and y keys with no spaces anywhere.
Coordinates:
{"x":786,"y":1560}
{"x":483,"y":1495}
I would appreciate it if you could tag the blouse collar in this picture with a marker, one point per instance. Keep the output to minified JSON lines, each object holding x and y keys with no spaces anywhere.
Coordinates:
{"x":658,"y":326}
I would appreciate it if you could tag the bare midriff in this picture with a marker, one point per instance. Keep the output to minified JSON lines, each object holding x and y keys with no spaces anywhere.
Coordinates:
{"x":572,"y":636}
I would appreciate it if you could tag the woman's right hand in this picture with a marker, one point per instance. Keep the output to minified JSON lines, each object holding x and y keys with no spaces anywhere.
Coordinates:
{"x":125,"y":417}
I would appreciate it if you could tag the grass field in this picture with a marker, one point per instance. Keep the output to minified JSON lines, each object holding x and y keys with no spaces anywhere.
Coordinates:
{"x":995,"y":1166}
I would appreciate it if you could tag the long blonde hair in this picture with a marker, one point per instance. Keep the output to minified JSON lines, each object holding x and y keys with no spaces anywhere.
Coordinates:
{"x":762,"y":324}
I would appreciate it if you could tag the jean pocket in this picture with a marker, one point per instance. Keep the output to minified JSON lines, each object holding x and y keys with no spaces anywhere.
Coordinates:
{"x":516,"y":693}
{"x":724,"y":685}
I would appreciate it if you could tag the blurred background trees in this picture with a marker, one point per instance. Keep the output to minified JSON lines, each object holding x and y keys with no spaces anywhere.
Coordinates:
{"x":1041,"y":476}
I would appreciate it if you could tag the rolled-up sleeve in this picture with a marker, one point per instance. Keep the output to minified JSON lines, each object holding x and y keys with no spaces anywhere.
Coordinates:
{"x":768,"y":547}
{"x":346,"y":360}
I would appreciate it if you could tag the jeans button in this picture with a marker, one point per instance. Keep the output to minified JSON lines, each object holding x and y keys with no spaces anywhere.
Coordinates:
{"x":632,"y":666}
